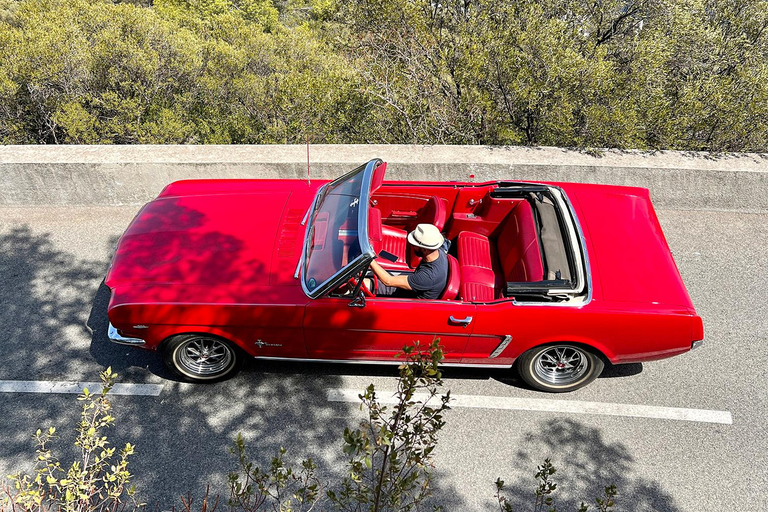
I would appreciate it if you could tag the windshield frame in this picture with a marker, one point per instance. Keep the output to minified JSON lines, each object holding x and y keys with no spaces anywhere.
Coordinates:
{"x":367,"y":254}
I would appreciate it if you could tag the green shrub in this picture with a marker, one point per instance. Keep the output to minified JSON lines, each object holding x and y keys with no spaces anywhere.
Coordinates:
{"x":98,"y":481}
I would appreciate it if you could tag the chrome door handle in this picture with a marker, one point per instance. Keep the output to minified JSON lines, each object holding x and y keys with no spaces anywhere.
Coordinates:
{"x":465,"y":321}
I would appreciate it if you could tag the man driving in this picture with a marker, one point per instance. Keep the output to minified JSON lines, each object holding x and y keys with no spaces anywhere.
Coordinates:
{"x":431,"y":275}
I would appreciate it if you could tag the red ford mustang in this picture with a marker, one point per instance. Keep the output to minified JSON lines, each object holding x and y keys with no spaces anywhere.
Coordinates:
{"x":554,"y":279}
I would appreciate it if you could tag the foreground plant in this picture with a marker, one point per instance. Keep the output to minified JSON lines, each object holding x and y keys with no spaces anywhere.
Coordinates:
{"x":546,"y":487}
{"x":280,"y":488}
{"x":98,"y":481}
{"x":391,"y":454}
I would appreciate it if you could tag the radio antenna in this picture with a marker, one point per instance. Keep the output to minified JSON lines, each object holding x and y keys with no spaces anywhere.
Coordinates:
{"x":307,"y":136}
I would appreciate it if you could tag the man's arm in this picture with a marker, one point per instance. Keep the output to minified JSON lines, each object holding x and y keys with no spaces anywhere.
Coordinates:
{"x":389,"y":280}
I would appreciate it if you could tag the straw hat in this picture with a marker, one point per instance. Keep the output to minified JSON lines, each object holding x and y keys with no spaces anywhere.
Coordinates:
{"x":426,"y":236}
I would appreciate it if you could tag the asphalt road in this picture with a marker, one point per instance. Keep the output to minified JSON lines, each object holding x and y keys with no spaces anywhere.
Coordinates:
{"x":53,"y":326}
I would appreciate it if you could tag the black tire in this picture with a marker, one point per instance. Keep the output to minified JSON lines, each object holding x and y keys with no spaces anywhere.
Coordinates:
{"x":201,"y":357}
{"x":559,"y":367}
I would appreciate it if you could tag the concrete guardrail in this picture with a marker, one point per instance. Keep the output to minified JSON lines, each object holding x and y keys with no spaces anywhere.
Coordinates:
{"x":127,"y":175}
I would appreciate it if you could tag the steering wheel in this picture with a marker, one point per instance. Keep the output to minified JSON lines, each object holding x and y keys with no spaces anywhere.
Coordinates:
{"x":352,"y":283}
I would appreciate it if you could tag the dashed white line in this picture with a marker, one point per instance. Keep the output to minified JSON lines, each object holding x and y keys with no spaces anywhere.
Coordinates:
{"x":46,"y":386}
{"x":558,"y":406}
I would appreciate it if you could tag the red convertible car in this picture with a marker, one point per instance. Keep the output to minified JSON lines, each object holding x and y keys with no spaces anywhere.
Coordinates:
{"x":554,"y":279}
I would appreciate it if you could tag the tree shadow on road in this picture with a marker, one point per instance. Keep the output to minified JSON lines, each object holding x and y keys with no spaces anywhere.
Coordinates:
{"x":44,"y":303}
{"x":586,"y":464}
{"x":53,"y":326}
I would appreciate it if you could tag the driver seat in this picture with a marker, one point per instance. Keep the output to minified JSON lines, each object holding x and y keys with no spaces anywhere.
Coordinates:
{"x":453,"y":282}
{"x":394,"y":240}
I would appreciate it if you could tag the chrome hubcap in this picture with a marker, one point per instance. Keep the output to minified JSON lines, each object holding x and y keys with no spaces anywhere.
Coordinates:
{"x":561,"y":365}
{"x":205,"y":356}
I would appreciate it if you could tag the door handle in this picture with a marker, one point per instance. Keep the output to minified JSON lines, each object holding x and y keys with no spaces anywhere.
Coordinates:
{"x":464,"y":321}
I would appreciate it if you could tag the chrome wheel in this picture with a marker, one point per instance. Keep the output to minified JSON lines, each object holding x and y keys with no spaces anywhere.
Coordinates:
{"x":201,"y":358}
{"x":561,"y":365}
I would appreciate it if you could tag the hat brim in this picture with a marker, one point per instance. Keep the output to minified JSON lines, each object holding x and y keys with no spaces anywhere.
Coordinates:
{"x":412,"y":241}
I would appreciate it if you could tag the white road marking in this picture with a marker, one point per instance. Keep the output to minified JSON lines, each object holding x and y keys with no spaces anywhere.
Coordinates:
{"x":567,"y":406}
{"x":47,"y":386}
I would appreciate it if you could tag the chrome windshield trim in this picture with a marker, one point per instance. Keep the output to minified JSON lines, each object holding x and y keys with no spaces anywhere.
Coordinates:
{"x":116,"y":337}
{"x":367,"y":253}
{"x":298,"y":267}
{"x":306,"y":215}
{"x":362,"y":211}
{"x":306,"y":230}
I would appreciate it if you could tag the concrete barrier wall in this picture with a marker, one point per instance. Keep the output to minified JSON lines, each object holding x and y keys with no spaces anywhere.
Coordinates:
{"x":126,"y":175}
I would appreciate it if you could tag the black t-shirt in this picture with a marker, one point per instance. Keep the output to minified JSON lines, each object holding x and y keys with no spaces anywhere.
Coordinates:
{"x":429,"y":278}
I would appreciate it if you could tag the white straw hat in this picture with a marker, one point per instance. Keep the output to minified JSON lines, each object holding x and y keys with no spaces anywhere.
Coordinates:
{"x":426,"y":236}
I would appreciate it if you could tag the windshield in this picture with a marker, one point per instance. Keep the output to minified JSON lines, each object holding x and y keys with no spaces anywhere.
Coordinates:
{"x":336,"y":241}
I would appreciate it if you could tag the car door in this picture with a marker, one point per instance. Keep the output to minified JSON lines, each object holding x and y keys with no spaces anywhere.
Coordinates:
{"x":379,"y":330}
{"x":503,"y":329}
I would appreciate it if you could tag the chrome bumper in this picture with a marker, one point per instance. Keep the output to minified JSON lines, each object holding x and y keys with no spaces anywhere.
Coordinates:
{"x":115,"y":337}
{"x":696,"y":344}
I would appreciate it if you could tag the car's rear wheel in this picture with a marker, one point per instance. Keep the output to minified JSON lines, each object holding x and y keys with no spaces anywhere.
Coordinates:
{"x":201,"y":358}
{"x":559,"y":367}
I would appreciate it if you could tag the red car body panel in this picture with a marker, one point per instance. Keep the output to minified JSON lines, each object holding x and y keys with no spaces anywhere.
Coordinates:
{"x":219,"y":257}
{"x":633,"y":260}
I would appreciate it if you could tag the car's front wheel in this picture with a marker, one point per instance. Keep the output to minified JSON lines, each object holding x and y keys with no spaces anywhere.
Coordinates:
{"x":560,"y":367}
{"x":201,"y":358}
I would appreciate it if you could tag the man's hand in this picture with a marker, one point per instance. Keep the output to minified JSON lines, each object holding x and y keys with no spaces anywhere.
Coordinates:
{"x":389,"y":280}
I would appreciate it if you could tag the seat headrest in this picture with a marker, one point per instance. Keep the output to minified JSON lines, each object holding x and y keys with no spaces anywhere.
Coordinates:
{"x":378,"y":177}
{"x":374,"y":225}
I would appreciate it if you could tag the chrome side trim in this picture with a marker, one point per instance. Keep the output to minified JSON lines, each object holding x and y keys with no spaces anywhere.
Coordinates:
{"x":397,"y":362}
{"x":116,"y":337}
{"x":471,"y":365}
{"x":504,"y":343}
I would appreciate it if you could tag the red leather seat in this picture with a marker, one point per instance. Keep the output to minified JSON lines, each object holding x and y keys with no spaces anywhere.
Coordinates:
{"x":478,"y":275}
{"x":451,"y":290}
{"x":394,"y":239}
{"x":512,"y":256}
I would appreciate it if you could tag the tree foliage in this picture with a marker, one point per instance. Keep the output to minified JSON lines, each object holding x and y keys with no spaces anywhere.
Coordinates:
{"x":672,"y":74}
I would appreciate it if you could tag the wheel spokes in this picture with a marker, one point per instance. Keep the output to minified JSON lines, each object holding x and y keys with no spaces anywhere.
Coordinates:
{"x":561,"y":365}
{"x":205,"y":356}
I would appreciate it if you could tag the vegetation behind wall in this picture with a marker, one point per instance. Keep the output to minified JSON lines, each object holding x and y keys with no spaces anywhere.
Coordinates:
{"x":648,"y":74}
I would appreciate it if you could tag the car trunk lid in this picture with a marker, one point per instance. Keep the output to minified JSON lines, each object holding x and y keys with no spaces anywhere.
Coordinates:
{"x":631,"y":254}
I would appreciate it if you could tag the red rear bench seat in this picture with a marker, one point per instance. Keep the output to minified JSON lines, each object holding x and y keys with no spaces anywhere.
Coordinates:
{"x":512,"y":255}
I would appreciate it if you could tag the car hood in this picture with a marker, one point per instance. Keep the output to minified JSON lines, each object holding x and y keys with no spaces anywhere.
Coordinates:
{"x":244,"y":233}
{"x":629,"y":255}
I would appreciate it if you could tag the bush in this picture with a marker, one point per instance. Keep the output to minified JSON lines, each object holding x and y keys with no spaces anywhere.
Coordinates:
{"x":98,"y":481}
